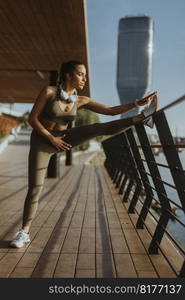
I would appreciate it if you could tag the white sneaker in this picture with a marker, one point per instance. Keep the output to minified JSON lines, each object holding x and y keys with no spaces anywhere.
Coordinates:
{"x":149,"y":110}
{"x":21,"y":239}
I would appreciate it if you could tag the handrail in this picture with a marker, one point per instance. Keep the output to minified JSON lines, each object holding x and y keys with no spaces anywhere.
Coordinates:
{"x":173,"y":103}
{"x":128,"y":171}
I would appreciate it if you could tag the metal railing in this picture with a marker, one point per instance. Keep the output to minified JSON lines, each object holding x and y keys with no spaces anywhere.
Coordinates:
{"x":133,"y":174}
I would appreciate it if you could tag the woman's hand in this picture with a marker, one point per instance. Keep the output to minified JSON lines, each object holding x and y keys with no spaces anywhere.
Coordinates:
{"x":145,"y":100}
{"x":59,"y":143}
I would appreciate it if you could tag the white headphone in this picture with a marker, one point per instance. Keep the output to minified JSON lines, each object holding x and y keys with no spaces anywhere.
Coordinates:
{"x":69,"y":98}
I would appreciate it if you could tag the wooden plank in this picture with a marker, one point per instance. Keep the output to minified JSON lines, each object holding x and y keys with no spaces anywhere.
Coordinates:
{"x":103,"y":242}
{"x":145,"y":237}
{"x":85,"y":273}
{"x":113,"y":220}
{"x":105,"y":267}
{"x":89,"y":219}
{"x":142,"y":262}
{"x":119,"y":244}
{"x":21,"y":273}
{"x":71,"y":242}
{"x":124,"y":266}
{"x":4,"y":230}
{"x":2,"y":255}
{"x":77,"y":219}
{"x":87,"y":241}
{"x":40,"y":240}
{"x":66,"y":266}
{"x":41,"y":217}
{"x":101,"y":220}
{"x":91,"y":199}
{"x":86,"y":261}
{"x":52,"y":218}
{"x":8,"y":263}
{"x":108,"y":202}
{"x":147,"y":274}
{"x":125,"y":221}
{"x":162,"y":267}
{"x":28,"y":260}
{"x":56,"y":242}
{"x":7,"y":217}
{"x":25,"y":266}
{"x":134,"y":243}
{"x":114,"y":192}
{"x":46,"y":267}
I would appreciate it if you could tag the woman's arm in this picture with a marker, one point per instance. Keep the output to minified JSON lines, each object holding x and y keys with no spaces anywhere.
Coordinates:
{"x":100,"y":108}
{"x":38,"y":106}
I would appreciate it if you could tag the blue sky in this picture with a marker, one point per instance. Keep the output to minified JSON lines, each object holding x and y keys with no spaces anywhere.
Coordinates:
{"x":169,"y":50}
{"x":168,"y":57}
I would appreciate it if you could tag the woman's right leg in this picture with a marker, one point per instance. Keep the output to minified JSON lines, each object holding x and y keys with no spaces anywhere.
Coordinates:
{"x":40,"y":153}
{"x":38,"y":163}
{"x":39,"y":156}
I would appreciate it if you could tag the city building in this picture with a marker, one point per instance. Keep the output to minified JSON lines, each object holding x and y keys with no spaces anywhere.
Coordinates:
{"x":134,"y":63}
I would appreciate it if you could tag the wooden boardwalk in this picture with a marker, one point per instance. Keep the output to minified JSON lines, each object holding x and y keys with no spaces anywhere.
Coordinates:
{"x":81,"y":229}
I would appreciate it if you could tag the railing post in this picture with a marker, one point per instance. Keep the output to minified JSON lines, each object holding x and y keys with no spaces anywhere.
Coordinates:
{"x":182,"y":271}
{"x":160,"y":190}
{"x":144,"y":178}
{"x":134,"y":177}
{"x":171,"y":155}
{"x":109,"y":149}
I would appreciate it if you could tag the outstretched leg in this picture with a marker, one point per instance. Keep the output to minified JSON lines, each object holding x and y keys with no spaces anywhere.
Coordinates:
{"x":78,"y":135}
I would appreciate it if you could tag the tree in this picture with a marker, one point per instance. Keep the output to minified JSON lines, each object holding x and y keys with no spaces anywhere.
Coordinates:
{"x":86,"y":117}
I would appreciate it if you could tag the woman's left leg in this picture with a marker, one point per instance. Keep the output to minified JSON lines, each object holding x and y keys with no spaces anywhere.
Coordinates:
{"x":78,"y":135}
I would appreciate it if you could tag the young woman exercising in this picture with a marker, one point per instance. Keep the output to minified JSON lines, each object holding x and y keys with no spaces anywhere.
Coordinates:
{"x":54,"y":108}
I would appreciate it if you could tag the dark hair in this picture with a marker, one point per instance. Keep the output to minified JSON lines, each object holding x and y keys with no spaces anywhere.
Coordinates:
{"x":66,"y":68}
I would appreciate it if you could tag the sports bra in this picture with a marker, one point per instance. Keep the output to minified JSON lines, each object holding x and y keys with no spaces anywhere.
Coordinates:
{"x":53,"y":112}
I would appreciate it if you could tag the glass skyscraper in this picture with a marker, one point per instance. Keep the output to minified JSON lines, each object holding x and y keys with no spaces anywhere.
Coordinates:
{"x":134,"y":64}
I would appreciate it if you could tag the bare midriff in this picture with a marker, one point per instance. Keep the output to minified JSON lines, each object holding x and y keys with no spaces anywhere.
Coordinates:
{"x":49,"y":125}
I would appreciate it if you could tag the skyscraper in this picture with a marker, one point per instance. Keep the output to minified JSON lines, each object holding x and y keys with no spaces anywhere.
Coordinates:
{"x":134,"y":64}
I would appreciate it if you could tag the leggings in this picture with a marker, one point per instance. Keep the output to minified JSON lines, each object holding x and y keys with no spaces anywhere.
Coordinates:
{"x":41,"y":151}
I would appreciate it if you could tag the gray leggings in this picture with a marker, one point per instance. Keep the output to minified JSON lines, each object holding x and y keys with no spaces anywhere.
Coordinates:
{"x":41,"y":150}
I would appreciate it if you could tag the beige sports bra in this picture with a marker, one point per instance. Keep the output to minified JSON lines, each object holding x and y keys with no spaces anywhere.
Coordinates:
{"x":53,"y":112}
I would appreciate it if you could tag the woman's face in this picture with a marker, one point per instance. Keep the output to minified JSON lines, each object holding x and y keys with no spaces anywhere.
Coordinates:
{"x":77,"y":78}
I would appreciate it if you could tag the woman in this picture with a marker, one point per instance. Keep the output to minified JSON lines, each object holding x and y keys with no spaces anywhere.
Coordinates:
{"x":54,"y":108}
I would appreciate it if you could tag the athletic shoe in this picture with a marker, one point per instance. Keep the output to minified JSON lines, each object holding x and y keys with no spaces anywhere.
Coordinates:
{"x":21,"y":239}
{"x":149,"y":110}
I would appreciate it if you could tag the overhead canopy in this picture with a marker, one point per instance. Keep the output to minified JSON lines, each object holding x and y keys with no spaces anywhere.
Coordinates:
{"x":36,"y":36}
